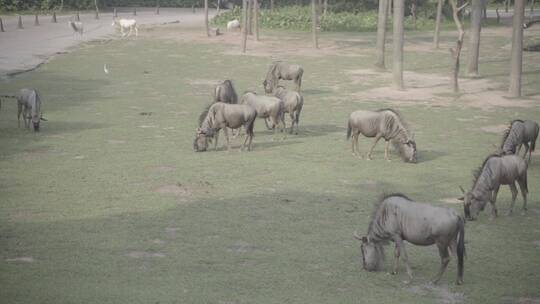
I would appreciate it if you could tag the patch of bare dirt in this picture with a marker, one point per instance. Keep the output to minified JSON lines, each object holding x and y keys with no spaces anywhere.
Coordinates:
{"x":145,"y":254}
{"x":444,"y":296}
{"x":451,"y":200}
{"x":35,"y":154}
{"x":436,"y":90}
{"x":21,"y":259}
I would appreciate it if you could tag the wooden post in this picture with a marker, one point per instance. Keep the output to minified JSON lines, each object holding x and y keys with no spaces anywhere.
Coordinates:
{"x":245,"y":24}
{"x":256,"y":19}
{"x":250,"y":17}
{"x":314,"y":23}
{"x":1,"y":25}
{"x":516,"y":57}
{"x":97,"y":15}
{"x":474,"y":41}
{"x":438,"y":24}
{"x":36,"y":20}
{"x":78,"y":17}
{"x":134,"y":11}
{"x":397,"y":64}
{"x":53,"y":17}
{"x":381,"y":33}
{"x":19,"y":23}
{"x":206,"y":18}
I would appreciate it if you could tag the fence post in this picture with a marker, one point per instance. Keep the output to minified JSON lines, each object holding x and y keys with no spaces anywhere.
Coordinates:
{"x":54,"y":17}
{"x":1,"y":25}
{"x":36,"y":21}
{"x":19,"y":24}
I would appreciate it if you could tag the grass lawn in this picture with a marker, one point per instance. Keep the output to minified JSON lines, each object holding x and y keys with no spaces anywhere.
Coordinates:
{"x":109,"y":203}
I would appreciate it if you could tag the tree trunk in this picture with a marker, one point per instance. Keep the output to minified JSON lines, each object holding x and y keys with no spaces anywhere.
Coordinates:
{"x":218,"y":7}
{"x":272,"y":5}
{"x":413,"y":13}
{"x":97,"y":9}
{"x":438,"y":24}
{"x":326,"y":7}
{"x":397,"y":64}
{"x":61,"y":5}
{"x":381,"y":33}
{"x":506,"y":4}
{"x":474,"y":41}
{"x":517,"y":49}
{"x":459,"y":43}
{"x":206,"y":18}
{"x":256,"y":18}
{"x":314,"y":23}
{"x":245,"y":4}
{"x":532,"y":8}
{"x":250,"y":17}
{"x":157,"y":7}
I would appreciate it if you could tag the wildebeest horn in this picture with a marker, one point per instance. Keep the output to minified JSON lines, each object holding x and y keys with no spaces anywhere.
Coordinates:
{"x":43,"y":119}
{"x":356,"y":236}
{"x":461,"y":198}
{"x":461,"y":188}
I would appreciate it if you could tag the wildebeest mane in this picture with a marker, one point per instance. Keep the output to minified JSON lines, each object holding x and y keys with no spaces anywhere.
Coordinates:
{"x":477,"y":172}
{"x":229,"y":84}
{"x":203,"y":115}
{"x":398,"y":115}
{"x":507,"y":131}
{"x":379,"y":207}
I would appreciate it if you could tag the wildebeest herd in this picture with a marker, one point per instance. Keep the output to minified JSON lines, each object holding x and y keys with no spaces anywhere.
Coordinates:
{"x":396,"y":218}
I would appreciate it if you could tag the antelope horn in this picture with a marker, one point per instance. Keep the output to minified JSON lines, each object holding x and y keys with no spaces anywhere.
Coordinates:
{"x":41,"y":118}
{"x":461,"y":188}
{"x":356,"y":236}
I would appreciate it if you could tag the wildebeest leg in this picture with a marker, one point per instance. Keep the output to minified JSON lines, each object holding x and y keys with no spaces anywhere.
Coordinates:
{"x":523,"y":187}
{"x":375,"y":143}
{"x":492,"y":202}
{"x":445,"y":258}
{"x":400,"y":250}
{"x":227,"y":138}
{"x":266,"y":123}
{"x":215,"y":144}
{"x":514,"y":191}
{"x":526,"y":150}
{"x":292,"y":115}
{"x":386,"y":150}
{"x":19,"y":111}
{"x":518,"y":148}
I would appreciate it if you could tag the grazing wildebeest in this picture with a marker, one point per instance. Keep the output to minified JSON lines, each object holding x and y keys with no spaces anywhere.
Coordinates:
{"x":126,"y":24}
{"x":383,"y":123}
{"x":224,"y":92}
{"x":293,"y":103}
{"x":496,"y":170}
{"x":77,"y":26}
{"x":520,"y":132}
{"x":281,"y":70}
{"x":221,"y":115}
{"x":397,"y":218}
{"x":267,"y":107}
{"x":29,"y":106}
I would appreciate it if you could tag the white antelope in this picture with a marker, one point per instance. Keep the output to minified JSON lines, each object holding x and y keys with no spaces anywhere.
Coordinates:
{"x":125,"y":24}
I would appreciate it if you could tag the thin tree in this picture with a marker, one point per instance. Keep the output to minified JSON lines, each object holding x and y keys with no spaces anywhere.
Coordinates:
{"x":413,"y":13}
{"x":314,"y":23}
{"x":61,"y":5}
{"x":326,"y":7}
{"x":440,"y":4}
{"x":459,"y":43}
{"x":397,"y":64}
{"x":250,"y":17}
{"x":517,"y":49}
{"x":97,"y":9}
{"x":256,"y":18}
{"x":218,"y":7}
{"x":245,"y":4}
{"x":206,"y":18}
{"x":474,"y":41}
{"x":381,"y":33}
{"x":272,"y":5}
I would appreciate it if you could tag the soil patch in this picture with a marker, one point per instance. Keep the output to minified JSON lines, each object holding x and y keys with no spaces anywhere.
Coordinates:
{"x":451,"y":200}
{"x":444,"y":296}
{"x":496,"y":129}
{"x":21,"y":259}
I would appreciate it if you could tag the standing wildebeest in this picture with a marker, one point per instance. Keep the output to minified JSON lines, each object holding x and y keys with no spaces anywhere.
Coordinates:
{"x":496,"y":170}
{"x":293,"y":103}
{"x":385,"y":123}
{"x":520,"y":133}
{"x":397,"y":218}
{"x":267,"y":107}
{"x":224,"y":92}
{"x":281,"y":70}
{"x":29,"y":106}
{"x":221,"y":115}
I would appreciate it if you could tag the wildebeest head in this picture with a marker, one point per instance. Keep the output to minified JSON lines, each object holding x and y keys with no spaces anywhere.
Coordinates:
{"x":268,"y":86}
{"x":407,"y":150}
{"x":202,"y":138}
{"x":372,"y":253}
{"x":472,"y":205}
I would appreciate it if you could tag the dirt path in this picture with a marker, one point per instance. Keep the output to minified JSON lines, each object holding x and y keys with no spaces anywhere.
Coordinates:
{"x":24,"y":49}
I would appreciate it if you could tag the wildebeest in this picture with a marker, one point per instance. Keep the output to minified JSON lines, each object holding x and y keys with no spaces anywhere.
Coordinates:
{"x":221,"y":115}
{"x":293,"y":103}
{"x":281,"y":70}
{"x":233,"y":25}
{"x":29,"y":107}
{"x":267,"y":107}
{"x":224,"y":92}
{"x":520,"y":132}
{"x":383,"y":123}
{"x":77,"y":26}
{"x":126,"y":24}
{"x":397,"y":218}
{"x":496,"y":170}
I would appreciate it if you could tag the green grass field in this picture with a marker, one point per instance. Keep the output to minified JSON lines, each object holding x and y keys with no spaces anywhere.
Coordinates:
{"x":111,"y":206}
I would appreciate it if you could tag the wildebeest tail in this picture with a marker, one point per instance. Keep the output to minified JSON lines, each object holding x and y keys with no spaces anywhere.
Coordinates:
{"x":349,"y":129}
{"x":300,"y":106}
{"x":461,"y":246}
{"x":251,"y":125}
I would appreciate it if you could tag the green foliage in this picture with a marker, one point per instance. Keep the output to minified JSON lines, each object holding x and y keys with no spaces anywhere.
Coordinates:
{"x":299,"y":18}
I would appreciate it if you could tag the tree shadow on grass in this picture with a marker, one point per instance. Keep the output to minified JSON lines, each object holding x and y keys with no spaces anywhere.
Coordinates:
{"x":425,"y":156}
{"x":318,"y":130}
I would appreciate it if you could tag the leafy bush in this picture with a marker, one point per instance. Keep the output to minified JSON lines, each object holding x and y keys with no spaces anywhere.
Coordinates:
{"x":299,"y":18}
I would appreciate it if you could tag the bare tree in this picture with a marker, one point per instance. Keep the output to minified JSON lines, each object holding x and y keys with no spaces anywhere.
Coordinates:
{"x":272,"y":5}
{"x":413,"y":13}
{"x":440,"y":4}
{"x":218,"y":7}
{"x":517,"y":49}
{"x":474,"y":41}
{"x":397,"y":64}
{"x":506,"y":4}
{"x":206,"y":18}
{"x":61,"y":5}
{"x":326,"y":7}
{"x":381,"y":33}
{"x":245,"y":4}
{"x":459,"y":43}
{"x":256,"y":18}
{"x":97,"y":9}
{"x":250,"y":17}
{"x":314,"y":23}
